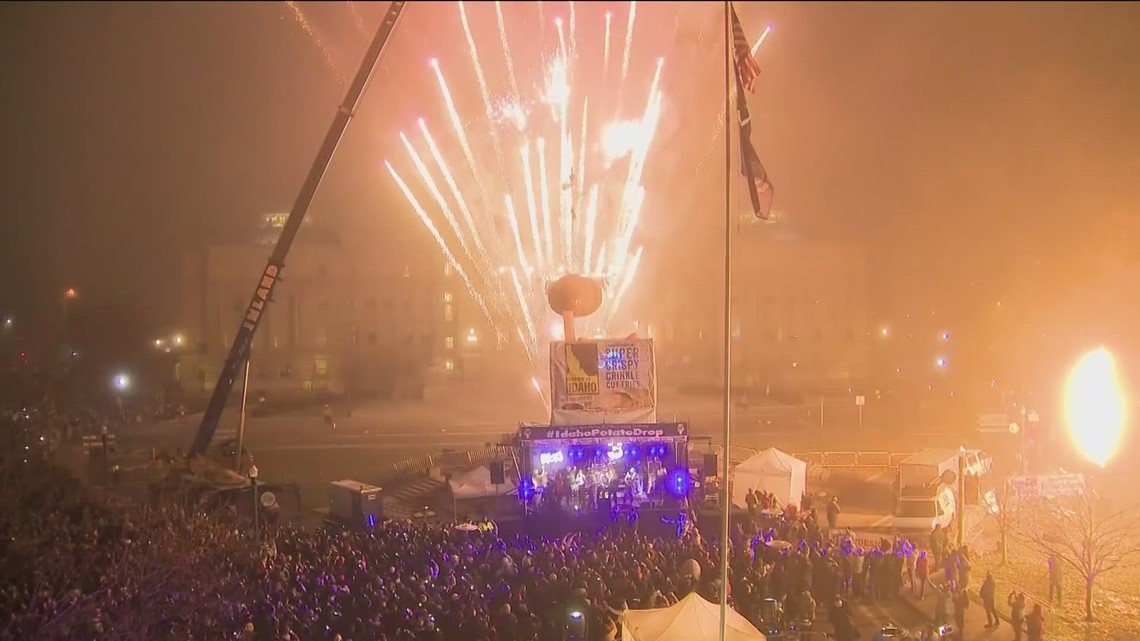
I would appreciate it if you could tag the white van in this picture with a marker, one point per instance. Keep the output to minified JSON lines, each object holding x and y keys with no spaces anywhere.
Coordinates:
{"x":921,"y":511}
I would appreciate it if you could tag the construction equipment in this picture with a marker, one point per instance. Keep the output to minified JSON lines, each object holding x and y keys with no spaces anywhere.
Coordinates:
{"x":212,"y":465}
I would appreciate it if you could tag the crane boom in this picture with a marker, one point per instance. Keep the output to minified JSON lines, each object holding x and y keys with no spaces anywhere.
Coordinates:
{"x":263,"y":292}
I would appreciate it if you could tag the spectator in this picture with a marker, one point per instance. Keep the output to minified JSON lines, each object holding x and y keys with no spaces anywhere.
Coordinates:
{"x":961,"y":604}
{"x":1055,"y":579}
{"x":922,"y":573}
{"x":833,"y":513}
{"x":1035,"y":624}
{"x":988,"y":593}
{"x":1017,"y":613}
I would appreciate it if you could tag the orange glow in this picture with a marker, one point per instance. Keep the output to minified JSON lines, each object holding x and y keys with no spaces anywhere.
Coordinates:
{"x":1095,"y":408}
{"x":71,"y":293}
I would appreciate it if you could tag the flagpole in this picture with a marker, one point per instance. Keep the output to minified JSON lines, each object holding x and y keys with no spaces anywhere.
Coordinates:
{"x":726,"y":502}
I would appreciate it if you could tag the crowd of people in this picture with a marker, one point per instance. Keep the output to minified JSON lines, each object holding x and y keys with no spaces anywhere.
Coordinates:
{"x":84,"y":564}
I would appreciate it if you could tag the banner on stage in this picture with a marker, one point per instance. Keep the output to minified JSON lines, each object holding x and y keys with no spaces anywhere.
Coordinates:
{"x":603,"y":381}
{"x":607,"y":432}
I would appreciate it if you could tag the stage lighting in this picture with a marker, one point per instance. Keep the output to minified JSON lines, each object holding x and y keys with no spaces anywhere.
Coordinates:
{"x":679,"y":482}
{"x":526,"y":489}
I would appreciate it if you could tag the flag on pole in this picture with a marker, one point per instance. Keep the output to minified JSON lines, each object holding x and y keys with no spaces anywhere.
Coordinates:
{"x":747,"y":70}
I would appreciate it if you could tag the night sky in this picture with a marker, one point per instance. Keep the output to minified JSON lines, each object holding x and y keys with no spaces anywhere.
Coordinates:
{"x":979,"y":149}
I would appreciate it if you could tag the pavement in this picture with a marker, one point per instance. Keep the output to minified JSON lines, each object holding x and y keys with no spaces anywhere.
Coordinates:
{"x":976,"y":629}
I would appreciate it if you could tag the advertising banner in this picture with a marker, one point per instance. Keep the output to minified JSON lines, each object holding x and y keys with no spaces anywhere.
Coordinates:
{"x":603,"y":381}
{"x":609,"y":432}
{"x":1048,"y":485}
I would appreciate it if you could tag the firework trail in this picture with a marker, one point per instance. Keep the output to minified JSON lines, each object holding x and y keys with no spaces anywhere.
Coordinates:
{"x":606,"y":50}
{"x":572,"y":222}
{"x":303,"y":21}
{"x":357,"y":20}
{"x":484,"y":91}
{"x":507,"y":50}
{"x":627,"y":49}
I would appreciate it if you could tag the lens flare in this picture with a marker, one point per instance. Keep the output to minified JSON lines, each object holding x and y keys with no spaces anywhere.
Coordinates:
{"x":1095,"y":409}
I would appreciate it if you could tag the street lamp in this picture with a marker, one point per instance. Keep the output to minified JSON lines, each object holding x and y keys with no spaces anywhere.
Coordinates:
{"x":121,"y":383}
{"x":253,"y":483}
{"x":1095,"y":409}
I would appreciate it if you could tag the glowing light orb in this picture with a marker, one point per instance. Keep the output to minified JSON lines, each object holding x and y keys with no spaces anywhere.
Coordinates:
{"x":620,"y":139}
{"x":1095,"y":409}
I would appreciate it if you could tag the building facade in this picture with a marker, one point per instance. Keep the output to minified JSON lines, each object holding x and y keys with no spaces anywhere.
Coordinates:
{"x":800,"y":314}
{"x":346,"y":318}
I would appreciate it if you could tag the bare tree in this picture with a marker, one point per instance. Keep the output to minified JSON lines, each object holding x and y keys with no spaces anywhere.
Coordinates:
{"x":1087,"y":534}
{"x":1005,"y":507}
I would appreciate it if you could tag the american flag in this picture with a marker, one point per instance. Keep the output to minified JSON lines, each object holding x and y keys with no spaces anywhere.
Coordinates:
{"x":746,"y":66}
{"x":760,"y":190}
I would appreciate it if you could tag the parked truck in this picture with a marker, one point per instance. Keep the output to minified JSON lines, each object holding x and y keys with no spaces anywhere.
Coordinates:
{"x":926,"y":490}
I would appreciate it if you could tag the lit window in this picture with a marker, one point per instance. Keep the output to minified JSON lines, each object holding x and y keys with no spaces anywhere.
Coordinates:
{"x":471,"y":337}
{"x":449,"y":342}
{"x":447,"y":297}
{"x":447,"y":269}
{"x":449,"y":365}
{"x":448,"y":313}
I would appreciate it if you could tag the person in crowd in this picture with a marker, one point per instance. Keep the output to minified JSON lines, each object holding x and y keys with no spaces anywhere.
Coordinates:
{"x":961,"y":600}
{"x":1055,"y":579}
{"x":936,"y":544}
{"x":1035,"y":624}
{"x":988,"y":593}
{"x":921,"y":573}
{"x":1016,"y":602}
{"x":751,"y":503}
{"x":833,"y":513}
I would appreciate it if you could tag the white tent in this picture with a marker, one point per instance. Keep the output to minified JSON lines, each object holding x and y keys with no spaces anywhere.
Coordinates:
{"x":773,"y":471}
{"x":477,"y":483}
{"x":691,"y":619}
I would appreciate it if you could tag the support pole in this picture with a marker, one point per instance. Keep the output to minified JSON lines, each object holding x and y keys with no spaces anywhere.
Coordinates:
{"x":960,"y":504}
{"x":727,"y":502}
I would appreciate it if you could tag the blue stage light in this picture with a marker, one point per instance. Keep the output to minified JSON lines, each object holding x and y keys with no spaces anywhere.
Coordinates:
{"x":526,"y":489}
{"x":679,"y":483}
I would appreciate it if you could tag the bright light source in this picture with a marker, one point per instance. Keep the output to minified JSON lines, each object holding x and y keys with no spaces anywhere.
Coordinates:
{"x":1095,"y":409}
{"x":449,"y":365}
{"x":945,"y":336}
{"x":620,"y":138}
{"x":8,"y":321}
{"x":71,"y":293}
{"x":158,"y":342}
{"x":940,"y":362}
{"x":885,"y":331}
{"x":122,"y":382}
{"x":178,"y":339}
{"x":576,"y":615}
{"x":471,"y":336}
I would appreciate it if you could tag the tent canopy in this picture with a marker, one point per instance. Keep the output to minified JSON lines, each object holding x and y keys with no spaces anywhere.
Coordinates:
{"x":477,"y":483}
{"x":690,"y":619}
{"x":772,"y":471}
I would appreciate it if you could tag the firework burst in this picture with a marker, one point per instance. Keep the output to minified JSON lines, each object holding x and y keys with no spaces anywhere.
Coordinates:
{"x":531,"y":189}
